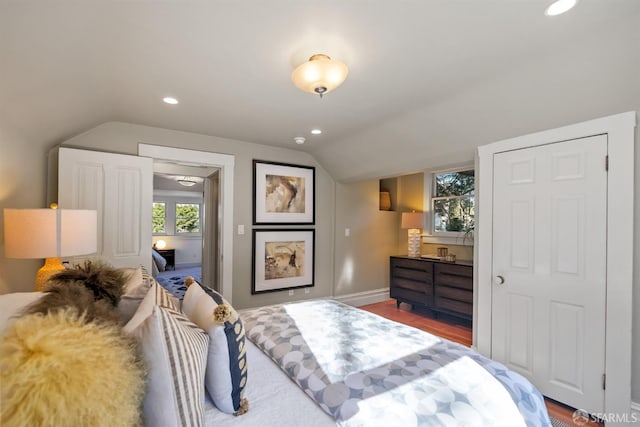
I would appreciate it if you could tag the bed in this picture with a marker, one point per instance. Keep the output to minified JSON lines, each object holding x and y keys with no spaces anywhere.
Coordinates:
{"x":321,"y":363}
{"x":359,"y":369}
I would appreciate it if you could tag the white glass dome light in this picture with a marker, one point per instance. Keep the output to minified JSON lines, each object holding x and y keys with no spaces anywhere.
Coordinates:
{"x":558,"y":7}
{"x":170,"y":100}
{"x":319,"y":75}
{"x":187,"y":181}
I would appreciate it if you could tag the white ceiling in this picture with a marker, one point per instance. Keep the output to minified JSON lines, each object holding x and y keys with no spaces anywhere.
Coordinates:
{"x":419,"y":70}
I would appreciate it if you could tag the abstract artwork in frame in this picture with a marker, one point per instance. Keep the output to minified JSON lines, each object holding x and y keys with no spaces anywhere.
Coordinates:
{"x":282,"y":259}
{"x":283,"y":193}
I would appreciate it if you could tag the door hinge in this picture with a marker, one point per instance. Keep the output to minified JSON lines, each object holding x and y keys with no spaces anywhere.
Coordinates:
{"x":604,"y":381}
{"x":606,"y":162}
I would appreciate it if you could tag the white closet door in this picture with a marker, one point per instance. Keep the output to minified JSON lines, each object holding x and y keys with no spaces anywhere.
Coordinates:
{"x":120,"y":188}
{"x":549,"y":266}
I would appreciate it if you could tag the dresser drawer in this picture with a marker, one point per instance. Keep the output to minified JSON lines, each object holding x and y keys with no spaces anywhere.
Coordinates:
{"x":457,"y":294}
{"x":450,"y":305}
{"x":411,"y":296}
{"x":413,"y":285}
{"x":411,"y":281}
{"x":412,"y":269}
{"x":457,"y":276}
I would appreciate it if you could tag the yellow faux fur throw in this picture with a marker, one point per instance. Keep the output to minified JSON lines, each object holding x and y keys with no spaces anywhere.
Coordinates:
{"x":58,"y":370}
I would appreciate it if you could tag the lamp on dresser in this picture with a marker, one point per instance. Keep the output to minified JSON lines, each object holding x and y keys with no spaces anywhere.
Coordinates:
{"x":413,"y":221}
{"x":50,"y":234}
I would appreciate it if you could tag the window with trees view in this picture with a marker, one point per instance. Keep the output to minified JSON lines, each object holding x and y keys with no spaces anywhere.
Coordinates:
{"x":187,"y":218}
{"x":159,"y":212}
{"x":453,"y":201}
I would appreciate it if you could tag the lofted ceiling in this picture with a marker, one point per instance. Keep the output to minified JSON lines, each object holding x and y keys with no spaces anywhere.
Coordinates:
{"x":428,"y":79}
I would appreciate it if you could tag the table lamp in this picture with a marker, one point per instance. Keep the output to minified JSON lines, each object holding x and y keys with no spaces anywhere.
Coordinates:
{"x":413,"y":221}
{"x":51,"y":234}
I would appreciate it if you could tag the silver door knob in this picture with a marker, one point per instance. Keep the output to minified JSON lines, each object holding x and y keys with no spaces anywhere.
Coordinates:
{"x":499,"y":280}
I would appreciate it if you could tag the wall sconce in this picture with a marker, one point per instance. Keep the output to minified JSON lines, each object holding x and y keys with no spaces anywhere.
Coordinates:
{"x":413,"y":221}
{"x":51,"y":234}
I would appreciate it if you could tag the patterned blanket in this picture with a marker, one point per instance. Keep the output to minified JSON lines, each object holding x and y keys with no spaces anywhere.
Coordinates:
{"x":365,"y":370}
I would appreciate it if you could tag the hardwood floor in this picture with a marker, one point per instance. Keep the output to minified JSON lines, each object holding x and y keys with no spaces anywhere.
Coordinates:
{"x":457,"y":331}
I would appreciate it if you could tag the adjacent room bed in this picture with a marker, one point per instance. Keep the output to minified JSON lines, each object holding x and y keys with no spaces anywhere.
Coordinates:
{"x":172,"y":279}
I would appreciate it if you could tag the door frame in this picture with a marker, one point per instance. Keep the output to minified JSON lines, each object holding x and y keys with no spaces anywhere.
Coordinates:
{"x":225,"y":162}
{"x":620,"y":131}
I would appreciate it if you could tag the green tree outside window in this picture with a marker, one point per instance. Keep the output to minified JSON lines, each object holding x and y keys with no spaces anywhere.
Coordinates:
{"x":159,"y":217}
{"x":187,"y":218}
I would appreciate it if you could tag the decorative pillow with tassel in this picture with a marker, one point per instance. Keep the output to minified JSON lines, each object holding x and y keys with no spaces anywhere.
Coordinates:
{"x":226,"y":373}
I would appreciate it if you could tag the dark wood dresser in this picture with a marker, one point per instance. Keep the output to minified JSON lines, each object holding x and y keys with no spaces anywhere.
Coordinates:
{"x":440,"y":286}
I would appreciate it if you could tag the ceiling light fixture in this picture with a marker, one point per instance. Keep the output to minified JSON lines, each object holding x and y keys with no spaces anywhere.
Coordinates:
{"x":558,"y":7}
{"x":187,"y":181}
{"x":319,"y":75}
{"x":316,"y":131}
{"x":299,"y":139}
{"x":170,"y":100}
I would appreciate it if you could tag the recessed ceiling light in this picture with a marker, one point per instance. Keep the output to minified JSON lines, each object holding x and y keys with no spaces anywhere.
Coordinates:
{"x":170,"y":100}
{"x":559,"y":7}
{"x":316,"y":131}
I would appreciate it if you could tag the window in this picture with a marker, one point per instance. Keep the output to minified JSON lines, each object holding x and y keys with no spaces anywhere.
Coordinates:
{"x":187,"y":218}
{"x":159,"y":212}
{"x":453,"y":201}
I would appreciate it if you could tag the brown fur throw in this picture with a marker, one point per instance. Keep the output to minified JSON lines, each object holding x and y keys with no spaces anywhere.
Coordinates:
{"x":93,"y":289}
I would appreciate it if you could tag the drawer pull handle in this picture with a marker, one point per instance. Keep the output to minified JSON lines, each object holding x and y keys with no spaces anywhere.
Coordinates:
{"x":499,"y":280}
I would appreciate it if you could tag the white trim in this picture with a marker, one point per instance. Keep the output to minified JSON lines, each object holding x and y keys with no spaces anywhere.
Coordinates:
{"x":457,"y":239}
{"x":226,"y":164}
{"x":620,"y":129}
{"x":363,"y":298}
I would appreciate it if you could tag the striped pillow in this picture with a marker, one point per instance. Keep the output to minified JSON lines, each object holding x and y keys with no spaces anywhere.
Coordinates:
{"x":226,"y":374}
{"x":175,"y":351}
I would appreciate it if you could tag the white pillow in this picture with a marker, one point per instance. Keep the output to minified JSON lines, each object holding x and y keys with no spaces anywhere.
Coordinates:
{"x":135,"y":289}
{"x":175,"y":351}
{"x":11,"y":306}
{"x":226,"y":374}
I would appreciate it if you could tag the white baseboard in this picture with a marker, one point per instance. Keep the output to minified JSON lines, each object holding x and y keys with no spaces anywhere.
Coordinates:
{"x":363,"y":298}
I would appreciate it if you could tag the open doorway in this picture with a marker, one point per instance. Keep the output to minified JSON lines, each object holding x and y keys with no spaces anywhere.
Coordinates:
{"x":225,"y":163}
{"x":185,"y":225}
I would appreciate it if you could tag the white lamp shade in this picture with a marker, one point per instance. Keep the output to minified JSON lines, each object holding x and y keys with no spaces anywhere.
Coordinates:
{"x":320,"y":74}
{"x":412,"y":220}
{"x":50,"y":233}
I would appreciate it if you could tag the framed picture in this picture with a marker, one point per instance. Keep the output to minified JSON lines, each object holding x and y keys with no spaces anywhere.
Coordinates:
{"x":282,"y":259}
{"x":283,"y":193}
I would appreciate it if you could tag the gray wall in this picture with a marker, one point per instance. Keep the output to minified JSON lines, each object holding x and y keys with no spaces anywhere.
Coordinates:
{"x":23,"y":176}
{"x":362,"y":260}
